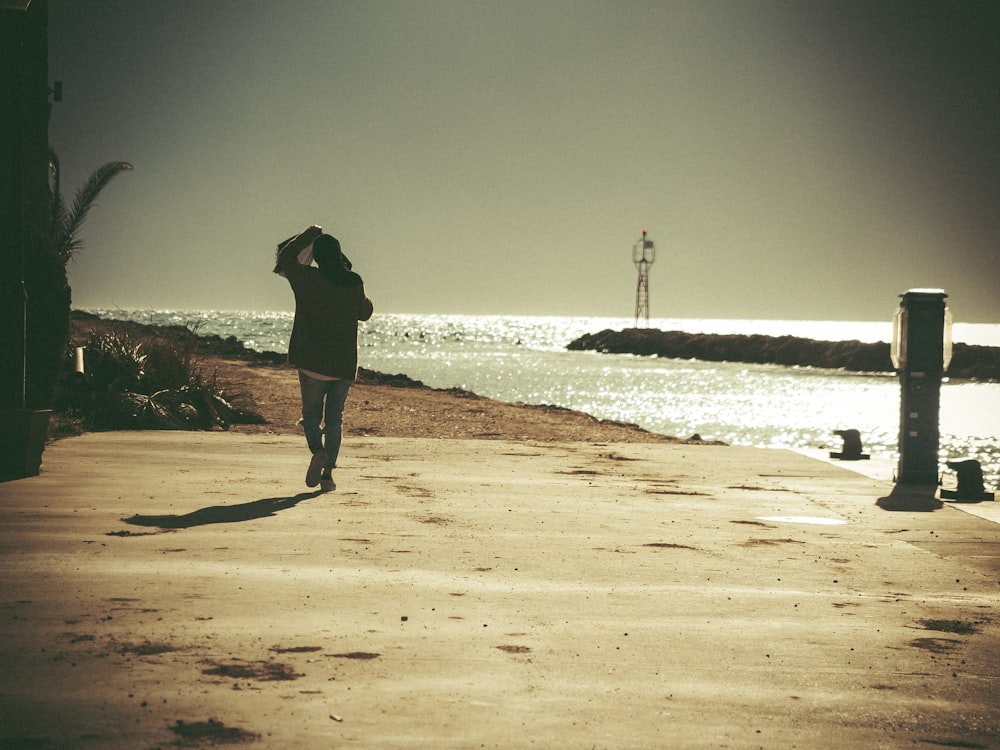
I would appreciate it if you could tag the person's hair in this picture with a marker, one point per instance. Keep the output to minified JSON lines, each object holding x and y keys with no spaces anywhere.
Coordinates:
{"x":326,"y":249}
{"x":332,"y":262}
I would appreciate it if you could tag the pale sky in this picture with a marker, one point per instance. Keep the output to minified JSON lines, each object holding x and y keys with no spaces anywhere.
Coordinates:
{"x":792,"y":160}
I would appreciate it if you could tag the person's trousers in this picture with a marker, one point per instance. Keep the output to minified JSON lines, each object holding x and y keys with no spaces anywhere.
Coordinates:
{"x":323,"y":414}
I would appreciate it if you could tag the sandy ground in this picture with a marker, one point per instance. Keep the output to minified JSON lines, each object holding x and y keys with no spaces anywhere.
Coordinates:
{"x":391,"y":411}
{"x":170,"y":589}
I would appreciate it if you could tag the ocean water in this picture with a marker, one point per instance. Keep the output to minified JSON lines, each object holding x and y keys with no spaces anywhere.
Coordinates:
{"x":524,"y":359}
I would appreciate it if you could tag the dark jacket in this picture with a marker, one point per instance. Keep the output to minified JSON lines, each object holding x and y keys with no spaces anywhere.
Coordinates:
{"x":325,"y":332}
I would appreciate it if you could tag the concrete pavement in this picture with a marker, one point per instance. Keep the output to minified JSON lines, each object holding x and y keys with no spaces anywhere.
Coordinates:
{"x":171,"y":589}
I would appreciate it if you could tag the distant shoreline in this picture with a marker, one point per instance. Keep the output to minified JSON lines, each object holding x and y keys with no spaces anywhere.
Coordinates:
{"x":969,"y":362}
{"x":981,"y":363}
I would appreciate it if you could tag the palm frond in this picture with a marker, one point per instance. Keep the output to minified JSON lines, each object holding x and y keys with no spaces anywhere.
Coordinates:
{"x":72,"y":220}
{"x":57,"y":207}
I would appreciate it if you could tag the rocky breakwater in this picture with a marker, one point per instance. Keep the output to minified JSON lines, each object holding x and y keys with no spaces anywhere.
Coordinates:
{"x":968,"y":362}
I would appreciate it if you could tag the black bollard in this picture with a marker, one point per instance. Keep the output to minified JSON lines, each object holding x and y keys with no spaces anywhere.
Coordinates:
{"x":852,"y":446}
{"x":970,"y":481}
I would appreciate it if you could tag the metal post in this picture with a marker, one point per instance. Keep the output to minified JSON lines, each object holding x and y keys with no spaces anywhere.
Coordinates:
{"x":921,"y":352}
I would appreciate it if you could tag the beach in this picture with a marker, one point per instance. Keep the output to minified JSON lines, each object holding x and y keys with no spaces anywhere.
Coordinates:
{"x":406,"y":411}
{"x":379,"y":404}
{"x":485,"y":575}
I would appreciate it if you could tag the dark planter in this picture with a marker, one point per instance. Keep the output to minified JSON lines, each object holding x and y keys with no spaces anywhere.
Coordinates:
{"x":22,"y":440}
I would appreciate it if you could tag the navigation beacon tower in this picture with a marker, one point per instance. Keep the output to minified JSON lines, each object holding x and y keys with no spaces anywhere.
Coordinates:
{"x":643,"y":255}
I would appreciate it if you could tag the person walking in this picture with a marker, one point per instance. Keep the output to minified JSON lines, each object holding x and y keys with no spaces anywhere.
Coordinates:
{"x":330,"y":299}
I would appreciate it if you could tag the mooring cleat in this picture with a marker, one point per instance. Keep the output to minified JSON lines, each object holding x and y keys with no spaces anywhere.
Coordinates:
{"x":970,"y":482}
{"x":852,"y":446}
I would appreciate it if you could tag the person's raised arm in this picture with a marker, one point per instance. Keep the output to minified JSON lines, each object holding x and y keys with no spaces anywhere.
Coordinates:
{"x":288,"y":251}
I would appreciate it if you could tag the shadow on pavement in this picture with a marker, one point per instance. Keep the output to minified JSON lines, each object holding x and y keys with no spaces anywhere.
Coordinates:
{"x":224,"y":513}
{"x":911,"y":497}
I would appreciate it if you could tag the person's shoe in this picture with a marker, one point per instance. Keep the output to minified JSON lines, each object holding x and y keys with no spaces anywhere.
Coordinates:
{"x":326,"y":483}
{"x":315,"y":468}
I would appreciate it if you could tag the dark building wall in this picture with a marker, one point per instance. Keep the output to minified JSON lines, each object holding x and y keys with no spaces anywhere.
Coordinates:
{"x":24,"y":118}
